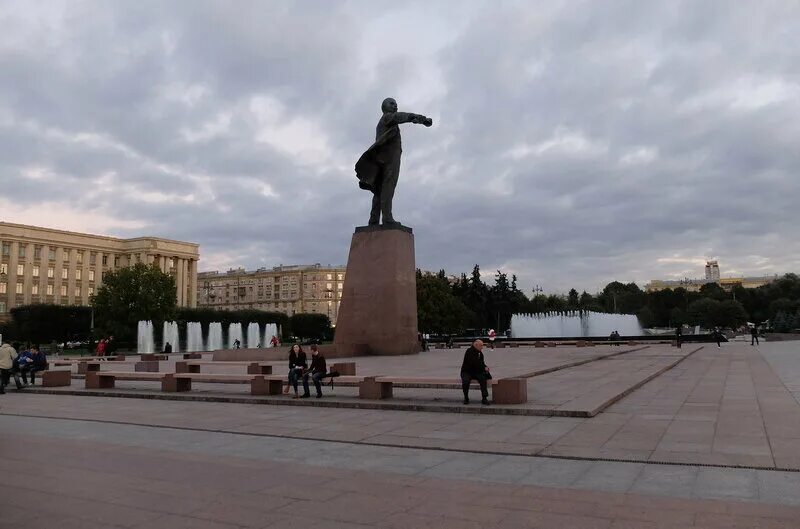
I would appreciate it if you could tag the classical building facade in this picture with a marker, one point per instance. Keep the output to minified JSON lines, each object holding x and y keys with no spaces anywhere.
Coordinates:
{"x":712,"y":276}
{"x":44,"y":265}
{"x":314,"y":289}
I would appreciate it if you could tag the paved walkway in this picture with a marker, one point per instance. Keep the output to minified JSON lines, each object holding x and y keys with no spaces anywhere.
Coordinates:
{"x":723,"y":407}
{"x":111,"y":462}
{"x":89,"y":474}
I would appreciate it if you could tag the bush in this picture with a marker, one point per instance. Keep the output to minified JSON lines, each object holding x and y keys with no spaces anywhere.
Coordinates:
{"x":46,"y":322}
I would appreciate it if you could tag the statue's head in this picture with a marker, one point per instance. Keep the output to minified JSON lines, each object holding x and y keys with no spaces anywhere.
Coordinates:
{"x":389,"y":105}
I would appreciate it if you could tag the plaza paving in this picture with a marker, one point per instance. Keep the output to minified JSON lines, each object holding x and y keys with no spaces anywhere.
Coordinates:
{"x":711,"y":442}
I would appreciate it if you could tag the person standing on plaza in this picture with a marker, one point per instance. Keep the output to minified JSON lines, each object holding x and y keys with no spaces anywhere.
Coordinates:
{"x":717,"y":334}
{"x":297,"y":366}
{"x":101,"y":347}
{"x":492,"y":336}
{"x":474,"y":368}
{"x":754,"y":335}
{"x":678,"y":335}
{"x":317,"y":372}
{"x":8,"y":366}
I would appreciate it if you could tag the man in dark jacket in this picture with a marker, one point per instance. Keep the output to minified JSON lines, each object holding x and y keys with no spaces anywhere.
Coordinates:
{"x":378,"y":169}
{"x":474,"y":368}
{"x":754,"y":335}
{"x":317,"y":372}
{"x":35,"y":361}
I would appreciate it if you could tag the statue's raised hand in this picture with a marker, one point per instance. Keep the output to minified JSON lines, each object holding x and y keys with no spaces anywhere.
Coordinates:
{"x":427,"y":122}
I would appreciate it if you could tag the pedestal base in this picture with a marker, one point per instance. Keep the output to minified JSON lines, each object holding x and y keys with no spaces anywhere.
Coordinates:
{"x":378,"y":313}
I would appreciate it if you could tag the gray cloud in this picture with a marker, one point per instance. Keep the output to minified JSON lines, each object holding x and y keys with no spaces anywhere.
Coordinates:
{"x":575,"y":143}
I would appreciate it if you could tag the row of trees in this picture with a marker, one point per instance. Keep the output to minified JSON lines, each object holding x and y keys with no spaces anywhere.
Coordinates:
{"x":453,"y":306}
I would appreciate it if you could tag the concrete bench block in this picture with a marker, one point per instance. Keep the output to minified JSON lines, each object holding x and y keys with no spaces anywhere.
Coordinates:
{"x":344,"y":368}
{"x":370,"y":389}
{"x":192,"y":356}
{"x":95,"y":381}
{"x":510,"y":391}
{"x":172,"y":384}
{"x":261,"y":386}
{"x":85,"y":367}
{"x":258,"y":369}
{"x":51,"y":379}
{"x":146,"y":367}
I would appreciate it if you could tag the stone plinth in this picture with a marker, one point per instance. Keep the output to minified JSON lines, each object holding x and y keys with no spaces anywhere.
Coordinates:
{"x":378,"y":313}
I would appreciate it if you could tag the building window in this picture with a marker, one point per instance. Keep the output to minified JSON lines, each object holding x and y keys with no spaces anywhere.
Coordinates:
{"x":37,"y":252}
{"x":35,"y":289}
{"x":329,"y":277}
{"x":20,"y":270}
{"x":64,"y":273}
{"x":91,"y":275}
{"x":79,"y":257}
{"x":116,"y":261}
{"x":35,"y":270}
{"x":92,"y":258}
{"x":51,"y":254}
{"x":105,"y":260}
{"x":340,"y":277}
{"x":328,"y":286}
{"x":19,"y":288}
{"x":51,"y":272}
{"x":21,"y":250}
{"x":2,"y":307}
{"x":3,"y":287}
{"x":65,"y":255}
{"x":341,"y":286}
{"x":6,"y":249}
{"x":78,"y":274}
{"x":77,"y":292}
{"x":49,"y":290}
{"x":3,"y":268}
{"x":91,"y":291}
{"x":63,"y":290}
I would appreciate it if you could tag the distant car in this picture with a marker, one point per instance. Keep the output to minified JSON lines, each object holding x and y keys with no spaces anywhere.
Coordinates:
{"x":75,"y":345}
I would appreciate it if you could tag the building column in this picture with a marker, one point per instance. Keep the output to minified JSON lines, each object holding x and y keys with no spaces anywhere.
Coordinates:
{"x":71,"y":280}
{"x":85,"y":283}
{"x":57,"y":274}
{"x":162,"y":260}
{"x":193,"y":283}
{"x":13,"y":261}
{"x":179,"y":280}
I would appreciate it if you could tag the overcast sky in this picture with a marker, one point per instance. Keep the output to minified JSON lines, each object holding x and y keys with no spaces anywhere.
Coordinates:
{"x":574,"y":143}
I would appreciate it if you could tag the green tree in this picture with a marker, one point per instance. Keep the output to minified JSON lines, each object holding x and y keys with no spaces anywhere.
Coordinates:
{"x":313,"y":326}
{"x":130,"y":294}
{"x":572,"y":299}
{"x":47,"y":322}
{"x":713,"y":291}
{"x":439,"y":311}
{"x":731,"y":314}
{"x":704,"y":312}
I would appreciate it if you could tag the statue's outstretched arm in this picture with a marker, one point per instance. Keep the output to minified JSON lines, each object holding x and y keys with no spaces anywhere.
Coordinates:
{"x":408,"y":117}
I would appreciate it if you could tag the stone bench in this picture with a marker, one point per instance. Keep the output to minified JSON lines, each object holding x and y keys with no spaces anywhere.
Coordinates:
{"x":344,"y":368}
{"x":504,"y":390}
{"x":152,"y":357}
{"x":56,"y":378}
{"x":192,"y":356}
{"x":259,"y":384}
{"x":107,"y":380}
{"x":194,"y":366}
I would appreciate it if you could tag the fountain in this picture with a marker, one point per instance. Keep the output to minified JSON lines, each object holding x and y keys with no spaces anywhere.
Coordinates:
{"x":253,"y":336}
{"x":194,"y":337}
{"x":270,"y":330}
{"x":171,"y":335}
{"x":234,"y":333}
{"x":144,"y":337}
{"x":214,"y":342}
{"x":573,"y":324}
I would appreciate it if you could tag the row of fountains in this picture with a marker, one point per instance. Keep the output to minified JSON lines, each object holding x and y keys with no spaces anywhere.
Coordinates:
{"x":573,"y":324}
{"x":254,"y":337}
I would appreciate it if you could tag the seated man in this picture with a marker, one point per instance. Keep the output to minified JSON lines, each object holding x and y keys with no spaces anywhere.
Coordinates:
{"x":36,"y":361}
{"x":474,"y":368}
{"x":8,"y":366}
{"x":318,"y":371}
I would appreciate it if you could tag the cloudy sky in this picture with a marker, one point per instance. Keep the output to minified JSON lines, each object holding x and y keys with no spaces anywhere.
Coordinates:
{"x":574,"y":143}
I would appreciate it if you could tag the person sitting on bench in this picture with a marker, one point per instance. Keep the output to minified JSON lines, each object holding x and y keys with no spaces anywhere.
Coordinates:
{"x":317,"y":372}
{"x":474,"y":368}
{"x":36,"y":361}
{"x":297,"y":366}
{"x":8,"y":367}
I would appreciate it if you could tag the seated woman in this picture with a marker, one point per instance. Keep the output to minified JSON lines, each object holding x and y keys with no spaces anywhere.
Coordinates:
{"x":297,"y":366}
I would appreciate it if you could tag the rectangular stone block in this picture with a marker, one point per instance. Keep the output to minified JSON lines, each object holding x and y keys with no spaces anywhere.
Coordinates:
{"x":146,"y":367}
{"x":370,"y":389}
{"x":344,"y":368}
{"x":57,"y":378}
{"x":510,"y":391}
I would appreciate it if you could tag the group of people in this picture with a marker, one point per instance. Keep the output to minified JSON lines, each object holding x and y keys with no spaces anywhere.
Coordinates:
{"x":105,"y":347}
{"x":29,"y":361}
{"x":300,"y":369}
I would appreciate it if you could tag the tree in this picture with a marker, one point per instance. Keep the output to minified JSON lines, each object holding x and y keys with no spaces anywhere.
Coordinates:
{"x":731,"y":314}
{"x":131,"y":294}
{"x":439,"y":311}
{"x":314,"y":326}
{"x":572,"y":299}
{"x":47,"y":322}
{"x":713,"y":291}
{"x":703,"y":312}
